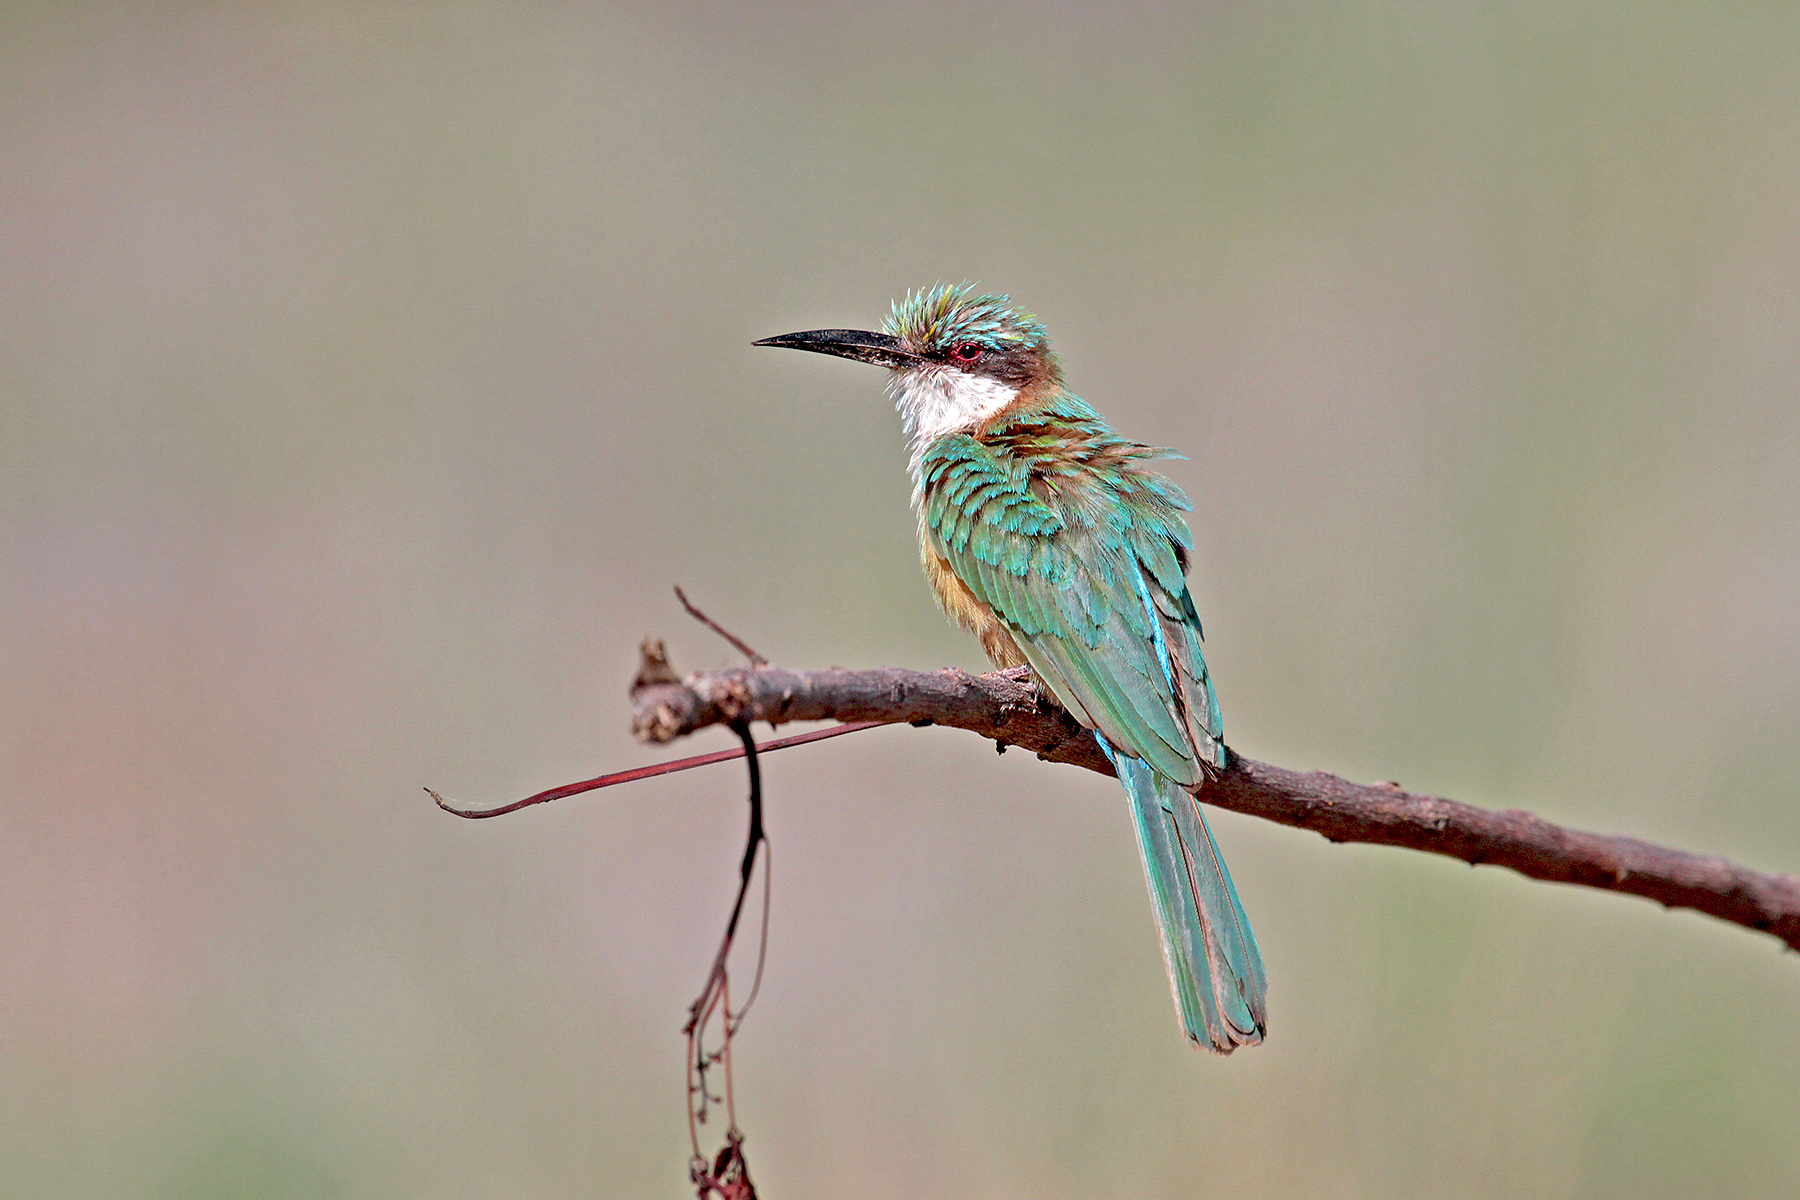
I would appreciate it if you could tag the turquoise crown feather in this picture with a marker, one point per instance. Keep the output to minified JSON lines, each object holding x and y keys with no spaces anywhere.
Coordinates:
{"x":946,"y":314}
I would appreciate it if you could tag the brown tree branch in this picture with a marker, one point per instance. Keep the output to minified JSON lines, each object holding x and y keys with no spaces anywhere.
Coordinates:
{"x":1006,"y":707}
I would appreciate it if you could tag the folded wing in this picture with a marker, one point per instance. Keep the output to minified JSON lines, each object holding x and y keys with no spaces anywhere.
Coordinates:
{"x":1086,"y":571}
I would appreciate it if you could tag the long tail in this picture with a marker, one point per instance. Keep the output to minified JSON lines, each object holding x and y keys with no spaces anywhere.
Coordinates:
{"x":1215,"y":969}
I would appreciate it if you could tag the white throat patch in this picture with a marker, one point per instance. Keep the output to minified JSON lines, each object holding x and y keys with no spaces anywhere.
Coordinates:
{"x":936,"y":401}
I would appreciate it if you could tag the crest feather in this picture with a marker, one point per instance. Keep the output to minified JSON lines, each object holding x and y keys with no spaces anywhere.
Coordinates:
{"x":945,"y":314}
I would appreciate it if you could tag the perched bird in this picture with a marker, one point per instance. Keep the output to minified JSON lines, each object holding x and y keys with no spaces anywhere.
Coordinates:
{"x":1045,"y":534}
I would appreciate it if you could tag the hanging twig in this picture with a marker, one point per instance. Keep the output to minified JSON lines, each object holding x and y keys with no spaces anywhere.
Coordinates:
{"x":727,"y":1175}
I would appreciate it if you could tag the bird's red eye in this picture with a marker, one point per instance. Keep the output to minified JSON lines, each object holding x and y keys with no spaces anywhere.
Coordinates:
{"x":965,"y":352}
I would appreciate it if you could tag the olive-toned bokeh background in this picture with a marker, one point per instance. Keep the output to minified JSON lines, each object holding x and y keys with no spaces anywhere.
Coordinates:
{"x":370,"y":371}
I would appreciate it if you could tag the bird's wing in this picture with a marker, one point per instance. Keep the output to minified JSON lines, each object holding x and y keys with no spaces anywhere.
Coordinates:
{"x":1086,"y":571}
{"x":1083,"y":562}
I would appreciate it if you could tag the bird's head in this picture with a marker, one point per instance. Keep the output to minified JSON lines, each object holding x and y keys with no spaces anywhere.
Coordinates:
{"x":957,"y":357}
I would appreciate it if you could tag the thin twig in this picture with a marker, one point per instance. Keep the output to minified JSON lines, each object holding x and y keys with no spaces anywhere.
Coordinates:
{"x":715,"y":996}
{"x":1006,"y":707}
{"x":651,"y":771}
{"x":756,"y":660}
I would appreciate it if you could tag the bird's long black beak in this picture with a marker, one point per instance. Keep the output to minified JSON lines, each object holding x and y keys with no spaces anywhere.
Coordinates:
{"x":858,"y":344}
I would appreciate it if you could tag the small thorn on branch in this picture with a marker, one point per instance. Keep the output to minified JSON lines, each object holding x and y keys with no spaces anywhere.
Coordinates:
{"x":653,"y":666}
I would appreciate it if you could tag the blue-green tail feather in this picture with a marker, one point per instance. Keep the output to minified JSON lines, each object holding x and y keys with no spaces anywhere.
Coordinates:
{"x":1215,"y":969}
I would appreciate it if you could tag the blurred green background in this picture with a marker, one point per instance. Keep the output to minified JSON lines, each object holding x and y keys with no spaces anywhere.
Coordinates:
{"x":369,"y":373}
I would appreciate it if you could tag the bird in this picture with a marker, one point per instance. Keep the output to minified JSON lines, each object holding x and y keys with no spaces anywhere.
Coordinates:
{"x":1047,"y":535}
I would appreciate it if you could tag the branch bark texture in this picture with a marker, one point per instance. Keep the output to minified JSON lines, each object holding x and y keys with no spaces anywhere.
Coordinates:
{"x":1006,"y":707}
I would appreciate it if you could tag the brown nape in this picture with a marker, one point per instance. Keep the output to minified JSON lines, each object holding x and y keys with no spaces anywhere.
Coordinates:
{"x":1029,"y":370}
{"x":963,"y":607}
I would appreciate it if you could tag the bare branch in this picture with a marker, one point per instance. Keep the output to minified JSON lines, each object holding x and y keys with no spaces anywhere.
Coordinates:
{"x":1006,"y":707}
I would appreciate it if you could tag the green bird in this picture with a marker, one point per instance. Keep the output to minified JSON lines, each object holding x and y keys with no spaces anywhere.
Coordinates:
{"x":1048,"y":536}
